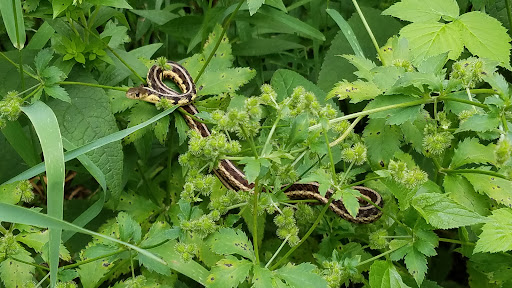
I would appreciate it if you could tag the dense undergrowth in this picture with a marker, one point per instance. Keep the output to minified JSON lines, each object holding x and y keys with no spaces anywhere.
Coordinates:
{"x":410,"y":98}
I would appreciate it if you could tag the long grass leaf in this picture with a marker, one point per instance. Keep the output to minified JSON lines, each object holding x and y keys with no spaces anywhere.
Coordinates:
{"x":347,"y":31}
{"x":86,"y":216}
{"x":47,"y":128}
{"x":13,"y":21}
{"x":29,"y":173}
{"x":302,"y":28}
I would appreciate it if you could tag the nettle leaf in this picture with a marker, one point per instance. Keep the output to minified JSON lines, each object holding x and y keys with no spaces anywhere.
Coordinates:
{"x":229,"y":272}
{"x":139,"y":207}
{"x":497,"y":189}
{"x":254,"y":5}
{"x":382,"y":140}
{"x":57,"y":92}
{"x":479,"y":123}
{"x":357,"y":91}
{"x":490,"y":270}
{"x":433,"y":65}
{"x":444,"y":213}
{"x":363,"y":65}
{"x":158,"y":233}
{"x":42,"y":59}
{"x":263,"y":278}
{"x":471,"y":151}
{"x":129,"y":229}
{"x":383,"y":274}
{"x":395,"y":116}
{"x":496,"y":234}
{"x":416,"y":265}
{"x":253,"y":167}
{"x":138,"y":114}
{"x":462,"y":192}
{"x":302,"y":275}
{"x":424,"y":11}
{"x":17,"y":274}
{"x":37,"y":241}
{"x":433,"y":38}
{"x":91,"y":273}
{"x":229,"y":241}
{"x":484,"y":36}
{"x":227,"y":80}
{"x":350,"y":201}
{"x":321,"y":177}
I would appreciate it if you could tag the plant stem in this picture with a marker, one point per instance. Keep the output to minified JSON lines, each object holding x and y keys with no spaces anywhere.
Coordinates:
{"x":371,"y":111}
{"x":93,"y":85}
{"x":370,"y":33}
{"x":473,"y":171}
{"x":250,"y":140}
{"x":329,"y":152}
{"x":456,"y":241}
{"x":277,"y":251}
{"x":18,"y":66}
{"x":347,"y":132}
{"x":270,"y":134}
{"x":89,"y":260}
{"x":504,"y":121}
{"x":311,"y":229}
{"x":380,"y":255}
{"x":224,"y":29}
{"x":255,"y":221}
{"x":31,"y":264}
{"x":444,"y":98}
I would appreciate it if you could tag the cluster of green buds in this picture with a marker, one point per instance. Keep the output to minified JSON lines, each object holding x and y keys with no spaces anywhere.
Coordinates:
{"x":355,"y":154}
{"x":409,"y":177}
{"x":503,"y":150}
{"x":378,"y":239}
{"x":402,"y":63}
{"x":10,"y":108}
{"x":71,"y":284}
{"x":186,"y":251}
{"x":464,"y":115}
{"x":341,"y":272}
{"x":8,"y":246}
{"x":304,"y":214}
{"x":435,"y":142}
{"x":203,"y":226}
{"x":286,"y":226}
{"x":197,"y":184}
{"x":302,"y":101}
{"x":469,"y":71}
{"x":223,"y":202}
{"x":207,"y":149}
{"x":24,"y":189}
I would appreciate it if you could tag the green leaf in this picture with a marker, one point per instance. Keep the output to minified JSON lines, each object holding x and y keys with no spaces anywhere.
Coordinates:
{"x":357,"y":91}
{"x":383,"y":274}
{"x":41,"y":37}
{"x":42,"y":58}
{"x":57,"y":92}
{"x":433,"y":38}
{"x":484,"y":36}
{"x":349,"y":197}
{"x":91,"y":273}
{"x":424,"y":11}
{"x":395,"y":116}
{"x":137,"y":206}
{"x":17,"y":274}
{"x":9,"y":193}
{"x":59,"y":6}
{"x":225,"y":80}
{"x":479,"y":123}
{"x":118,"y":35}
{"x":87,"y":118}
{"x":347,"y":31}
{"x":229,"y":272}
{"x":301,"y":275}
{"x":111,"y":3}
{"x":254,"y":5}
{"x":471,"y":151}
{"x":12,"y":14}
{"x":490,"y":270}
{"x":416,"y":264}
{"x":159,"y":17}
{"x":383,"y":142}
{"x":323,"y":178}
{"x":284,"y":81}
{"x":363,"y":65}
{"x":433,"y":65}
{"x":496,"y":233}
{"x":263,"y":278}
{"x":498,"y":189}
{"x":264,"y":46}
{"x":298,"y":26}
{"x":228,"y":241}
{"x":462,"y":192}
{"x":129,"y":229}
{"x":15,"y":134}
{"x":444,"y":213}
{"x":252,"y":168}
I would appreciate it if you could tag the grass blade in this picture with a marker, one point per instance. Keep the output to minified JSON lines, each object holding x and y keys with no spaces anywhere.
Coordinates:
{"x":47,"y":128}
{"x":292,"y":22}
{"x":347,"y":31}
{"x":13,"y":21}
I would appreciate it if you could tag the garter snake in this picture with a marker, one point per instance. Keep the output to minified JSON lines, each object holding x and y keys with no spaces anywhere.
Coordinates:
{"x":232,"y":177}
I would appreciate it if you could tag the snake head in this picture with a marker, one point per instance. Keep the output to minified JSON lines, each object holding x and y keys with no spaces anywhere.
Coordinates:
{"x":142,"y":93}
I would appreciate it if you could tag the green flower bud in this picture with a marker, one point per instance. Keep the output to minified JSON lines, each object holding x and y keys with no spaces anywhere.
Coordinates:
{"x":378,"y":240}
{"x":502,"y":151}
{"x":435,"y":144}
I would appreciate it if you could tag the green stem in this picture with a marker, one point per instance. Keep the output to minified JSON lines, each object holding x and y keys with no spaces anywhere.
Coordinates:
{"x":456,"y":241}
{"x":39,"y":87}
{"x":224,"y":29}
{"x":329,"y":152}
{"x":371,"y":111}
{"x":380,"y":255}
{"x":347,"y":132}
{"x":89,"y":260}
{"x":255,"y":221}
{"x":444,"y":98}
{"x":473,"y":171}
{"x":18,"y":66}
{"x":250,"y":140}
{"x":270,"y":134}
{"x":93,"y":85}
{"x":22,"y":77}
{"x":504,"y":121}
{"x":31,"y":264}
{"x":370,"y":33}
{"x":277,"y":251}
{"x":311,"y":229}
{"x":361,"y":182}
{"x":481,"y":91}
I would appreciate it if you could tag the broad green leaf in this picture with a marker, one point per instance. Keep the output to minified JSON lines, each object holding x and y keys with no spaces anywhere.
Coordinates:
{"x":111,"y":3}
{"x":497,"y":189}
{"x":230,"y":241}
{"x":301,"y":275}
{"x":462,"y":192}
{"x":229,"y":272}
{"x":396,"y":116}
{"x":252,"y":168}
{"x":444,"y":213}
{"x":225,"y":80}
{"x":479,"y":123}
{"x":59,"y":6}
{"x":117,"y":34}
{"x":433,"y":38}
{"x":416,"y":264}
{"x":9,"y":194}
{"x":37,"y":241}
{"x":496,"y":233}
{"x":284,"y":81}
{"x":41,"y":37}
{"x":15,"y":134}
{"x":433,"y":65}
{"x":87,"y":118}
{"x":363,"y":65}
{"x":129,"y":229}
{"x":471,"y":151}
{"x":382,"y":140}
{"x":42,"y":59}
{"x":484,"y":36}
{"x":383,"y":274}
{"x":47,"y":128}
{"x":17,"y":274}
{"x":254,"y":5}
{"x":413,"y":132}
{"x":264,"y":46}
{"x":91,"y":273}
{"x":263,"y":278}
{"x":159,"y":17}
{"x":490,"y":270}
{"x":139,"y":207}
{"x":138,"y":114}
{"x":347,"y":31}
{"x":424,"y":11}
{"x":357,"y":91}
{"x":349,"y":197}
{"x":323,"y":178}
{"x":12,"y":14}
{"x":298,"y":26}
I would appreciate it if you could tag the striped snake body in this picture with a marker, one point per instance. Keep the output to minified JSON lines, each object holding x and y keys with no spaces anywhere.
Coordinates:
{"x":226,"y":171}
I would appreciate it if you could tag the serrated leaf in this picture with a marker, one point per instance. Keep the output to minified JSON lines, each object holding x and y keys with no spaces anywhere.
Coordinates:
{"x":462,"y":192}
{"x":357,"y":91}
{"x":57,"y":92}
{"x":229,"y":272}
{"x":9,"y":194}
{"x":140,"y":208}
{"x":226,"y":80}
{"x":395,"y":116}
{"x":384,"y":275}
{"x":433,"y":65}
{"x":363,"y":65}
{"x":138,"y":114}
{"x":350,"y":201}
{"x":263,"y":278}
{"x":496,"y":234}
{"x":252,"y":168}
{"x":494,"y":270}
{"x":229,"y":241}
{"x":161,"y":129}
{"x":471,"y":151}
{"x":421,"y":11}
{"x":129,"y":229}
{"x":383,"y":142}
{"x":301,"y":275}
{"x":42,"y":59}
{"x":484,"y":36}
{"x":444,"y":213}
{"x":118,"y":35}
{"x":323,"y":178}
{"x":433,"y":38}
{"x":498,"y":189}
{"x":479,"y":123}
{"x":158,"y":233}
{"x":413,"y":132}
{"x":37,"y":241}
{"x":254,"y":5}
{"x":416,"y":264}
{"x":91,"y":273}
{"x":16,"y":274}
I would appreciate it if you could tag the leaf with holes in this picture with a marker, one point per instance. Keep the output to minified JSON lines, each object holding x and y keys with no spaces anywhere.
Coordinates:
{"x":229,"y":241}
{"x":498,"y":189}
{"x":496,"y":234}
{"x":229,"y":272}
{"x":471,"y":151}
{"x":302,"y":275}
